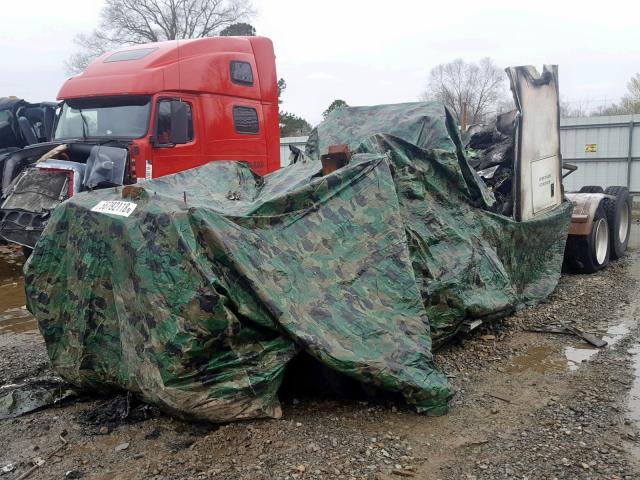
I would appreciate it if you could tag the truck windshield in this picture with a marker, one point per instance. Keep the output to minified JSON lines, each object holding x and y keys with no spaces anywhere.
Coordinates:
{"x":120,"y":117}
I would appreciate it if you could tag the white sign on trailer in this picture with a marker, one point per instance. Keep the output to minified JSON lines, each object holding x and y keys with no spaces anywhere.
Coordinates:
{"x":543,"y":183}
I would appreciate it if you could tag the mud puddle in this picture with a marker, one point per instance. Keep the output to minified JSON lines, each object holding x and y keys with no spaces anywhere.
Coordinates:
{"x":14,"y":316}
{"x":583,"y":352}
{"x":541,"y":359}
{"x":549,"y":359}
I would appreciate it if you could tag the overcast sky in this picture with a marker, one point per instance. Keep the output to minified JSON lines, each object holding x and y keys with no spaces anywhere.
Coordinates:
{"x":368,"y":52}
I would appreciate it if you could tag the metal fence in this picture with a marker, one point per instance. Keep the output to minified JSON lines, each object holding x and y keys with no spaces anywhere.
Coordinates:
{"x":605,"y":149}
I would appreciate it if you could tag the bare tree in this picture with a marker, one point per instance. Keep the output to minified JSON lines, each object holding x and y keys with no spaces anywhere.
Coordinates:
{"x":132,"y":22}
{"x":629,"y":103}
{"x":573,"y":108}
{"x":472,"y":90}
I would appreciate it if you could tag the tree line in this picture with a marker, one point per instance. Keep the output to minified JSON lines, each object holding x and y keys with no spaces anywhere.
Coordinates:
{"x":475,"y":92}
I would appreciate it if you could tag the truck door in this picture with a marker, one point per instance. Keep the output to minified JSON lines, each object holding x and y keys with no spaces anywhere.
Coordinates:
{"x":176,"y":145}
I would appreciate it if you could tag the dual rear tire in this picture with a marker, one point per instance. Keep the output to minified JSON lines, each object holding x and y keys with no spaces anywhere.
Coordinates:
{"x":589,"y":253}
{"x":618,"y":212}
{"x":609,"y":234}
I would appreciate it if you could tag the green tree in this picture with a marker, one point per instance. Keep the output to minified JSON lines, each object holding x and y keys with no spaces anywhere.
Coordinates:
{"x":239,"y":30}
{"x":338,"y":103}
{"x":282,"y":86}
{"x":292,"y":125}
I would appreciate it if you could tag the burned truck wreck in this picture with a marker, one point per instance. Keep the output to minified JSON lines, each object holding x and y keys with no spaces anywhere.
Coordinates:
{"x":142,"y":112}
{"x":490,"y":151}
{"x":38,"y":178}
{"x":23,"y":123}
{"x":88,"y":147}
{"x":200,"y":290}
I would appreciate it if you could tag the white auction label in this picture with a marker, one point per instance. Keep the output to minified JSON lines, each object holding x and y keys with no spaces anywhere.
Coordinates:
{"x":115,"y":207}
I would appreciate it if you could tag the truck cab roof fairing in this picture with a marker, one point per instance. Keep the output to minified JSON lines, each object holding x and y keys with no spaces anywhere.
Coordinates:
{"x":199,"y":65}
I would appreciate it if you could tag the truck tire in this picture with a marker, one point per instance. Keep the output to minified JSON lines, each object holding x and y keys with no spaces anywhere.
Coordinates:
{"x":618,"y":212}
{"x":591,"y":189}
{"x":590,"y":253}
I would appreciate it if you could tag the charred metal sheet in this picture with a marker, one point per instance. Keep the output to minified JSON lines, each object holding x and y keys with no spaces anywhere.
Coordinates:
{"x":32,"y":197}
{"x":537,"y":155}
{"x":33,"y":394}
{"x":22,"y":227}
{"x":76,"y":172}
{"x":490,"y":151}
{"x":37,"y":190}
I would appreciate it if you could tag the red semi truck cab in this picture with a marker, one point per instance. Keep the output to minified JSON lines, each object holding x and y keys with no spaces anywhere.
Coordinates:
{"x":143,"y":112}
{"x":179,"y":104}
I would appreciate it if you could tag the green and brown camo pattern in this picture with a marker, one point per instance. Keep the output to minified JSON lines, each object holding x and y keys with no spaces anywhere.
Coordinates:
{"x":199,"y":299}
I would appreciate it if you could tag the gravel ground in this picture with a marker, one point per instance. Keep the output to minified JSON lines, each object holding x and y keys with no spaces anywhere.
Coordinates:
{"x":527,"y":406}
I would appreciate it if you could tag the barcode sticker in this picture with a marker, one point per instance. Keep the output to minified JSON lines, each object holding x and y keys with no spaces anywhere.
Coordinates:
{"x":115,"y":207}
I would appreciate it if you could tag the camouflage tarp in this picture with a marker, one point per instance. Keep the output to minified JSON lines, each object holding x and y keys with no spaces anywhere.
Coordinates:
{"x":197,"y":301}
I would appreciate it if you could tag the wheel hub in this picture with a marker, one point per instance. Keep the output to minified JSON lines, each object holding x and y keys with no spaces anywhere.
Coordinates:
{"x":623,"y":227}
{"x":602,"y":241}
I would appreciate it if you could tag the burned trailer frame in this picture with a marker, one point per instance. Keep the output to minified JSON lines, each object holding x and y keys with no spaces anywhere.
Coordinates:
{"x":519,"y":157}
{"x":600,"y":226}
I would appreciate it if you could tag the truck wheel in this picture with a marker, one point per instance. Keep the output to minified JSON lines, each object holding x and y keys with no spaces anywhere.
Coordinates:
{"x":590,"y":253}
{"x":619,"y":218}
{"x":591,"y":189}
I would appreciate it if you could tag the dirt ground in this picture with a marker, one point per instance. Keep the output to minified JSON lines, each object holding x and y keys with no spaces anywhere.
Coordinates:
{"x":528,"y":406}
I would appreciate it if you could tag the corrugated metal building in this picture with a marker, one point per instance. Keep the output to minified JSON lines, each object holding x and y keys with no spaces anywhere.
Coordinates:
{"x":605,"y":149}
{"x":284,"y":147}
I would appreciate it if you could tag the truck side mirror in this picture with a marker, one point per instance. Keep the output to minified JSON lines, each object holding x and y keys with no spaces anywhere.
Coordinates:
{"x":179,"y":122}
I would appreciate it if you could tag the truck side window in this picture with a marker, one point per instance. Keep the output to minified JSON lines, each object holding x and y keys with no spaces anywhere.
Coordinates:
{"x":241,"y":73}
{"x":245,"y":119}
{"x":164,"y":121}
